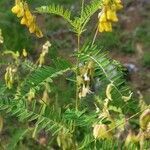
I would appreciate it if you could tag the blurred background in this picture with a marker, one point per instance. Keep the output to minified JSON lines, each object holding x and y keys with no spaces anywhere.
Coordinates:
{"x":129,"y":43}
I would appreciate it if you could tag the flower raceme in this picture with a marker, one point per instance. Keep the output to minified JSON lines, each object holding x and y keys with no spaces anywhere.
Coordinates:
{"x":108,"y":14}
{"x":22,"y":11}
{"x":45,"y":48}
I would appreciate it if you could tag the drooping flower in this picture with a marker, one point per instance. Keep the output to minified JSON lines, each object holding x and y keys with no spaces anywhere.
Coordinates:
{"x":131,"y":138}
{"x":21,"y":9}
{"x":84,"y":79}
{"x":18,"y":9}
{"x":100,"y":131}
{"x":145,"y":119}
{"x":45,"y":48}
{"x":24,"y":53}
{"x":10,"y":76}
{"x":108,"y":14}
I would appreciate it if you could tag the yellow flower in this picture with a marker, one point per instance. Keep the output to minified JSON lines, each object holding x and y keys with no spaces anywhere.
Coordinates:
{"x":103,"y":17}
{"x":31,"y":21}
{"x":39,"y":33}
{"x":24,"y":21}
{"x":108,"y":15}
{"x":101,"y":27}
{"x":29,"y":17}
{"x":15,"y":9}
{"x":18,"y":10}
{"x":9,"y":76}
{"x":131,"y":138}
{"x":21,"y":9}
{"x":20,"y":13}
{"x":105,"y":26}
{"x":32,"y":28}
{"x":117,"y":1}
{"x":45,"y":49}
{"x":24,"y":53}
{"x":106,"y":2}
{"x":145,"y":119}
{"x":108,"y":27}
{"x":119,"y":6}
{"x":101,"y":132}
{"x":111,"y":15}
{"x":28,"y":14}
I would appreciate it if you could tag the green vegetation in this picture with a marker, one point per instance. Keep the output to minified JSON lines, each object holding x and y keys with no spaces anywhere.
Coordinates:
{"x":146,"y":59}
{"x":57,"y":93}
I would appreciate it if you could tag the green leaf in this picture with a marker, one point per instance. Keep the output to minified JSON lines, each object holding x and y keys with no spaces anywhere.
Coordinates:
{"x":17,"y":136}
{"x":56,"y":10}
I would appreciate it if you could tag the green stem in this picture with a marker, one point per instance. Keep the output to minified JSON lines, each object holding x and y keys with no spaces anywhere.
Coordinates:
{"x":77,"y":64}
{"x":82,"y":8}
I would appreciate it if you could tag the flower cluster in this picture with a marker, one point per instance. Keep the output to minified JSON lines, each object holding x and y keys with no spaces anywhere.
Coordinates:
{"x":84,"y":79}
{"x":45,"y":48}
{"x":108,"y":14}
{"x":101,"y":130}
{"x":10,"y":76}
{"x":21,"y":9}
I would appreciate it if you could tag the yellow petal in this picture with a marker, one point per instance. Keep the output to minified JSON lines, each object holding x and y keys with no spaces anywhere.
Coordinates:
{"x":117,"y":1}
{"x":108,"y":91}
{"x":32,"y":28}
{"x":101,"y":27}
{"x":108,"y":27}
{"x":145,"y":119}
{"x":24,"y":53}
{"x":28,"y":14}
{"x":119,"y":6}
{"x":15,"y":9}
{"x":39,"y":33}
{"x":23,"y":21}
{"x":111,"y":15}
{"x":30,"y":21}
{"x":126,"y":98}
{"x":96,"y":131}
{"x":103,"y":17}
{"x":106,"y":2}
{"x":20,"y":13}
{"x":101,"y":132}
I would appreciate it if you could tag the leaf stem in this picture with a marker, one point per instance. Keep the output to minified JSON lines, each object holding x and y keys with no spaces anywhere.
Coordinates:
{"x":77,"y":64}
{"x":82,"y":8}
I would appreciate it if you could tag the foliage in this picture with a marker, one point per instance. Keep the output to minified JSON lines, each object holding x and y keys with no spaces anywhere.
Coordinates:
{"x":81,"y":105}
